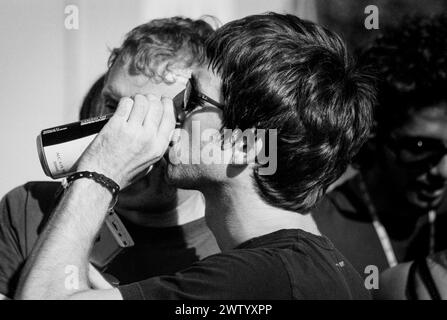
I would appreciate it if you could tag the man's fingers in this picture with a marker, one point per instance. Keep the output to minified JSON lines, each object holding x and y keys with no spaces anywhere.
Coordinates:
{"x":97,"y":281}
{"x":139,"y":110}
{"x":123,"y":110}
{"x":168,"y":121}
{"x":154,"y":114}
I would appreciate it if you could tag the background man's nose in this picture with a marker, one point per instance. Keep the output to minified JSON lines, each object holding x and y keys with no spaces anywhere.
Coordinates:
{"x":440,"y":169}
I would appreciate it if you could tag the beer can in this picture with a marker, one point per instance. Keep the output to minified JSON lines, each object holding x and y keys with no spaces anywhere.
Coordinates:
{"x":61,"y":147}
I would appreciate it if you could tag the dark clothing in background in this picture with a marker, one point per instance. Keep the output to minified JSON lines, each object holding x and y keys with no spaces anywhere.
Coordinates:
{"x":287,"y":264}
{"x":157,"y":251}
{"x":160,"y":251}
{"x":343,"y":217}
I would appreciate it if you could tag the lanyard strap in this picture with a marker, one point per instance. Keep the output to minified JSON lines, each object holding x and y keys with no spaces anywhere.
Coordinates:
{"x":381,"y":232}
{"x":432,"y":222}
{"x":378,"y":227}
{"x":386,"y":243}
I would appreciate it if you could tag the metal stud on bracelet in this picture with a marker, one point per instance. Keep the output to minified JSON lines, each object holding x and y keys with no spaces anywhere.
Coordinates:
{"x":106,"y":182}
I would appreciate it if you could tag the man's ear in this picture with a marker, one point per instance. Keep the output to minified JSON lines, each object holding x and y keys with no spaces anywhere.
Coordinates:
{"x":170,"y":77}
{"x":177,"y":75}
{"x":245,"y":147}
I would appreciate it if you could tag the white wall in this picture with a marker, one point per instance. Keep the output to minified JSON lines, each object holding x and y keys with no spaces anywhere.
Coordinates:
{"x":31,"y":84}
{"x":45,"y":69}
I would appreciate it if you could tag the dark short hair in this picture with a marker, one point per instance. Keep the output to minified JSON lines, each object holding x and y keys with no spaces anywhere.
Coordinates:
{"x":177,"y":40}
{"x":410,"y":58}
{"x":281,"y":72}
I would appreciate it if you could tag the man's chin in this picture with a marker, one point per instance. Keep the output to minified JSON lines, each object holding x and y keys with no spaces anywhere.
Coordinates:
{"x":180,"y":176}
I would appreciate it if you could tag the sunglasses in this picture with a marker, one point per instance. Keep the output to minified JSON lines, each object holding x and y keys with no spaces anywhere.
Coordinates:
{"x":414,"y":151}
{"x":189,"y":99}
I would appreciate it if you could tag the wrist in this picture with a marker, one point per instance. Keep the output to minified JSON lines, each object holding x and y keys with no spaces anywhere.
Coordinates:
{"x":101,"y":180}
{"x":113,"y":174}
{"x":91,"y":187}
{"x":86,"y":192}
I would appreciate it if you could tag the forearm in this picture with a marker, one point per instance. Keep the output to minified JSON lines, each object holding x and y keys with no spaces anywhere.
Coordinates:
{"x":136,"y":137}
{"x":58,"y":265}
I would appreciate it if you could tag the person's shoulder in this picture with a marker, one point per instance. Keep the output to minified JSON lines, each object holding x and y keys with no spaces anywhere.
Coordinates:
{"x":31,"y":196}
{"x":249,"y":265}
{"x":422,"y":279}
{"x":313,"y":260}
{"x":248,"y":272}
{"x":40,"y":191}
{"x":393,"y":282}
{"x":234,"y":274}
{"x":246,"y":258}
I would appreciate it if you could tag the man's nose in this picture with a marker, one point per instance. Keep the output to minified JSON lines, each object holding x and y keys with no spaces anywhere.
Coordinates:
{"x":440,"y":169}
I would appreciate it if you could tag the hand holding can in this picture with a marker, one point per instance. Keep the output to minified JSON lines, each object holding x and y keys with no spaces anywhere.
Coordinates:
{"x":134,"y":138}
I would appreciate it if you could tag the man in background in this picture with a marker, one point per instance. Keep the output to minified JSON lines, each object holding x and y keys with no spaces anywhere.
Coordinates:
{"x":423,"y":279}
{"x":166,"y":223}
{"x":394,"y":210}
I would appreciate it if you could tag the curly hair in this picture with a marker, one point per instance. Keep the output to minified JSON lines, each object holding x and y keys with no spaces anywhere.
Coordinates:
{"x":281,"y":72}
{"x":410,"y":59}
{"x":155,"y":47}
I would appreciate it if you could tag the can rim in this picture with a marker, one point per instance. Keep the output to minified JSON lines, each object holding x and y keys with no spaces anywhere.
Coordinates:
{"x":42,"y":158}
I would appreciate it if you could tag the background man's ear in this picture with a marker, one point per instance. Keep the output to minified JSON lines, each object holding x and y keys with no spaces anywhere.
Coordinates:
{"x":177,"y":75}
{"x":170,"y":77}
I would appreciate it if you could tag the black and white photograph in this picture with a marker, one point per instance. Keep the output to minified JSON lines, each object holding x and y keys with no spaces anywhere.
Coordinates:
{"x":223,"y":154}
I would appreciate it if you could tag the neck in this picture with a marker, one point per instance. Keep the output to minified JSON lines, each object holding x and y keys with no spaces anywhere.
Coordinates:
{"x":189,"y":206}
{"x":235,"y":213}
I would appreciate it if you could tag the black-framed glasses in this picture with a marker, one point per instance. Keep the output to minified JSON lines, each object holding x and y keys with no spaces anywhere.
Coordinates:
{"x":418,"y":150}
{"x":191,"y":98}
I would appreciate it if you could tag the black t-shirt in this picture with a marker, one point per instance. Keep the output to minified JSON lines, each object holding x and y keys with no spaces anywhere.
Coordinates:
{"x":343,"y":217}
{"x":287,"y":264}
{"x":157,"y":251}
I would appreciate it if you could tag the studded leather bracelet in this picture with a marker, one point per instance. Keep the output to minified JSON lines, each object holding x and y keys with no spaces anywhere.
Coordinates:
{"x":108,"y":183}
